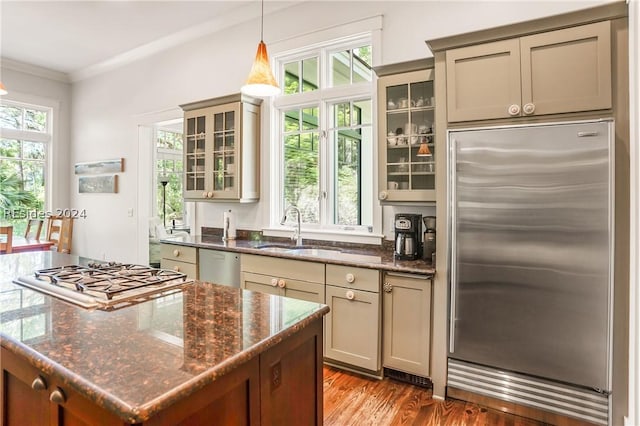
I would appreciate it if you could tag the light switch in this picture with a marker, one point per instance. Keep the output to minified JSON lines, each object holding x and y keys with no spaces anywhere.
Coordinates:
{"x":130,"y":212}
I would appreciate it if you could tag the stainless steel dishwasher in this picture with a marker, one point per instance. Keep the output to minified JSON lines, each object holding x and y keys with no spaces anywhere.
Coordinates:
{"x":219,"y":267}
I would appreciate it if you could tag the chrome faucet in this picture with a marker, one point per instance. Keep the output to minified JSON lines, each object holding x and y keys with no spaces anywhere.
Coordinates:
{"x":297,"y":236}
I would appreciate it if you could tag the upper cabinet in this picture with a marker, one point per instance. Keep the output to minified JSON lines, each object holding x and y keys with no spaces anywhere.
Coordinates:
{"x":406,"y":106}
{"x":222,"y":149}
{"x":567,"y":70}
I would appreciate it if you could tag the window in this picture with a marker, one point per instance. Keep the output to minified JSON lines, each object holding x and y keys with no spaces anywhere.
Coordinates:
{"x":24,"y":147}
{"x":169,"y":172}
{"x":325,"y":136}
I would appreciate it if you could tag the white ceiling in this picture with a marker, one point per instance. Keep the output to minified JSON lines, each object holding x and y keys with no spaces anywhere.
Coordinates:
{"x":79,"y":38}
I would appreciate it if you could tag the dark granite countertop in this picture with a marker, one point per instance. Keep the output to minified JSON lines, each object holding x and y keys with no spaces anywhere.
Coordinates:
{"x":138,"y":360}
{"x":366,"y":256}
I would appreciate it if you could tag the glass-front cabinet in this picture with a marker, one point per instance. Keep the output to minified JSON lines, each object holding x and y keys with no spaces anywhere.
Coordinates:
{"x":406,"y":106}
{"x":221,"y":149}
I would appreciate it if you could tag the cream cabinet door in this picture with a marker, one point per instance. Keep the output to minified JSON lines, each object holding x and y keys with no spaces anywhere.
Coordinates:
{"x":290,"y":278}
{"x":567,"y":70}
{"x":483,"y":81}
{"x":406,"y":322}
{"x":259,"y":283}
{"x":303,"y":290}
{"x":352,"y":327}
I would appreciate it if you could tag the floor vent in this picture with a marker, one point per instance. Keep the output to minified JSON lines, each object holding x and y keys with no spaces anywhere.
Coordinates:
{"x":423,"y":382}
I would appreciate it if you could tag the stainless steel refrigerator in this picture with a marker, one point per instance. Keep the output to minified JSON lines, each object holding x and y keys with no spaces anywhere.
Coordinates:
{"x":531,"y":265}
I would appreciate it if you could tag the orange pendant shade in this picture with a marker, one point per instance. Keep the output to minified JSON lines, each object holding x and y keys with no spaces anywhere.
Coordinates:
{"x":3,"y":90}
{"x":424,"y":150}
{"x":261,"y":81}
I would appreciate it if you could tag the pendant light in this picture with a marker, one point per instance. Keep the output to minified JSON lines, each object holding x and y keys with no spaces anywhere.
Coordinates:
{"x":261,"y":82}
{"x":424,"y":150}
{"x":3,"y":90}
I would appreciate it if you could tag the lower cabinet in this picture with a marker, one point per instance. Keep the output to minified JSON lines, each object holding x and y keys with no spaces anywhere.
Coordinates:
{"x":407,"y":323}
{"x":352,"y":326}
{"x":180,"y":259}
{"x":281,"y":386}
{"x":31,"y":398}
{"x":284,"y":277}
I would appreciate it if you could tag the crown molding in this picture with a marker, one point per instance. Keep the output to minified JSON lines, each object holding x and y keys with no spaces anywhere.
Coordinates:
{"x":13,"y":65}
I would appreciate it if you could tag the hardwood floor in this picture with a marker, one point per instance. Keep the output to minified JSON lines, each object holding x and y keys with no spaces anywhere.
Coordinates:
{"x":351,"y":399}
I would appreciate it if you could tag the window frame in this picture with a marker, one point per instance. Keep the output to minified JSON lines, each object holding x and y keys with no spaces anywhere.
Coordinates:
{"x":323,"y":99}
{"x":47,"y":137}
{"x":167,"y":154}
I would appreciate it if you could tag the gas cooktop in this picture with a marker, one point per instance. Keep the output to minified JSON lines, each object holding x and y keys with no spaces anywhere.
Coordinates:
{"x":106,"y":286}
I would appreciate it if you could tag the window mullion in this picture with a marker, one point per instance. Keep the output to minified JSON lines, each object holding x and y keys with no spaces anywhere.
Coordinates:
{"x":325,"y":168}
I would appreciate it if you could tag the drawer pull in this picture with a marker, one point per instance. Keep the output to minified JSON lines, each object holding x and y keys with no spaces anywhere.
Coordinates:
{"x":58,"y":396}
{"x":529,"y":108}
{"x":350,"y":277}
{"x":282,"y":283}
{"x":176,"y":268}
{"x":388,"y":287}
{"x":350,"y":295}
{"x":274,"y":282}
{"x":39,"y":384}
{"x":176,"y":253}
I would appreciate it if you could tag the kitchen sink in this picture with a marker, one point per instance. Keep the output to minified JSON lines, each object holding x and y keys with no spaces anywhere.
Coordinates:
{"x":300,"y":250}
{"x":311,"y":251}
{"x":274,"y":248}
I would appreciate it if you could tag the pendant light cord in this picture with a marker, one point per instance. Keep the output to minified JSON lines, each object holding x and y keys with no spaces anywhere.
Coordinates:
{"x":262,"y":22}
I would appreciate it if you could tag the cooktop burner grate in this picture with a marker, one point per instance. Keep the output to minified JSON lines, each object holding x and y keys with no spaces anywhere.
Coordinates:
{"x":108,"y":280}
{"x":105,"y":286}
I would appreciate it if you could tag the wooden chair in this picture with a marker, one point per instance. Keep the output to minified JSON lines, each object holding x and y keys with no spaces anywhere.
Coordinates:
{"x":6,"y":246}
{"x":34,"y":229}
{"x":60,"y":231}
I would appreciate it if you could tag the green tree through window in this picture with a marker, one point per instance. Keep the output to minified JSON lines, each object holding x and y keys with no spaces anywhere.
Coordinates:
{"x":23,"y":161}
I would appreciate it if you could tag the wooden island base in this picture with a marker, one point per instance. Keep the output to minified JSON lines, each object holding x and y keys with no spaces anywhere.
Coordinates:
{"x":282,"y":385}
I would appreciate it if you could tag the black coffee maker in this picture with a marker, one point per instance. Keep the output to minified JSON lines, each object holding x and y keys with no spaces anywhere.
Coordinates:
{"x":408,"y":240}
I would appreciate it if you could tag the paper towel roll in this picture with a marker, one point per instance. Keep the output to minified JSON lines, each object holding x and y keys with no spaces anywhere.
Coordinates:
{"x":229,"y":220}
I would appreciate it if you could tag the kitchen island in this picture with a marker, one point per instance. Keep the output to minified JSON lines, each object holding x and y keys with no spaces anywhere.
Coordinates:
{"x":205,"y":354}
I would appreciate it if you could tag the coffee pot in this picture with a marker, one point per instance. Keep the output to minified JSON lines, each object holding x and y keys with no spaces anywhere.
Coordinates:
{"x":408,"y":228}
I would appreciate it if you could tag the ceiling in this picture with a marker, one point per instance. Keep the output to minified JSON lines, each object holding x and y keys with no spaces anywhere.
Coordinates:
{"x":78,"y":38}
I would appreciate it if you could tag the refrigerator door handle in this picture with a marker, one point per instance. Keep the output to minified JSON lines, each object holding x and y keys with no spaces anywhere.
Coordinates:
{"x":451,"y":173}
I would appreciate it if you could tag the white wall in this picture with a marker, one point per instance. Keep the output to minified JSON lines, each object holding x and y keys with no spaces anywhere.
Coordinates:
{"x":105,"y":107}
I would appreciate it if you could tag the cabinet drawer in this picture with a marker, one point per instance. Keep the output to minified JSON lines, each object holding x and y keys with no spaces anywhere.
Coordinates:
{"x":180,"y":253}
{"x":189,"y":269}
{"x":352,"y":277}
{"x":276,"y":267}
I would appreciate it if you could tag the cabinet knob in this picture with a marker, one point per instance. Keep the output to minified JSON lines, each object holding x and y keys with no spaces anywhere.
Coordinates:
{"x":204,"y":194}
{"x":282,"y":283}
{"x":387,"y":287}
{"x":350,"y":277}
{"x":529,"y":108}
{"x":274,"y":282}
{"x":176,"y":252}
{"x":210,"y":194}
{"x":58,"y":396}
{"x":39,"y":383}
{"x":350,"y":295}
{"x":383,"y":195}
{"x":514,"y":109}
{"x":176,"y":268}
